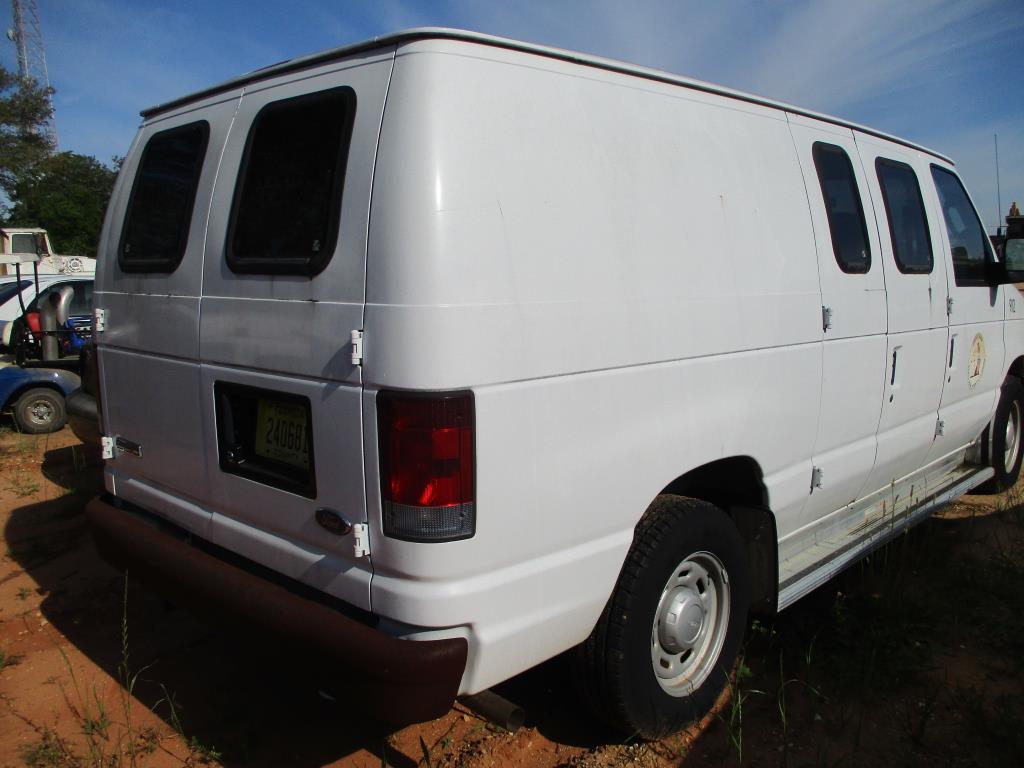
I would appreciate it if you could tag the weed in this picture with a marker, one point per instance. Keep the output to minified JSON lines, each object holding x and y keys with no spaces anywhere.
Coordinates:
{"x":733,"y":723}
{"x":205,"y":752}
{"x":51,"y":751}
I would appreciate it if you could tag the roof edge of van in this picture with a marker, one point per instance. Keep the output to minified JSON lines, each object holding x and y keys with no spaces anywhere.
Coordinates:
{"x":445,"y":33}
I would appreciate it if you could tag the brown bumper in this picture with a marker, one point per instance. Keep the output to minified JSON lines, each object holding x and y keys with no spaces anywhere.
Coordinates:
{"x":395,"y":680}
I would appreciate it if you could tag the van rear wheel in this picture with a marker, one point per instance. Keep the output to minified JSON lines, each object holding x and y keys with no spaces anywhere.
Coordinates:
{"x":661,"y":653}
{"x":1004,"y":448}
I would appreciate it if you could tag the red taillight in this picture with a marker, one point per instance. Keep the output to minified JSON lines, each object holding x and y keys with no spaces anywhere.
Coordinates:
{"x":426,"y":465}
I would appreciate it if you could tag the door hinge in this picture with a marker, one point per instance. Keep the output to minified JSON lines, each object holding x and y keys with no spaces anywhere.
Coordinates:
{"x":940,"y":428}
{"x":816,"y":478}
{"x":949,"y":306}
{"x":99,"y":320}
{"x":826,"y":318}
{"x":357,"y":347}
{"x":107,"y":447}
{"x":360,"y":540}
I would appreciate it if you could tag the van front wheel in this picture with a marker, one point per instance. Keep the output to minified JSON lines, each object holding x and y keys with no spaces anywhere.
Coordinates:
{"x":661,"y":653}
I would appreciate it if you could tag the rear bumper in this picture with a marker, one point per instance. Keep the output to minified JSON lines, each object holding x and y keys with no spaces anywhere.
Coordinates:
{"x":83,"y":418}
{"x":395,"y":680}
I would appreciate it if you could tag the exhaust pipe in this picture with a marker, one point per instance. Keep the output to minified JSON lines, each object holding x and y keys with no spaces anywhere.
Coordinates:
{"x":497,"y":709}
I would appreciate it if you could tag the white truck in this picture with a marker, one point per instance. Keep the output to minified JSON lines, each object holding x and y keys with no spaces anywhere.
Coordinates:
{"x":36,"y":241}
{"x":442,"y":354}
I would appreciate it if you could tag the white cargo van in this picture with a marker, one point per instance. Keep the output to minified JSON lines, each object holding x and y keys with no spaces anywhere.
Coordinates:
{"x":442,"y":354}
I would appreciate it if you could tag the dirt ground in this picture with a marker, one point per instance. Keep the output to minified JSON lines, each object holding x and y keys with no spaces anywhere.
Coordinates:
{"x":915,"y":657}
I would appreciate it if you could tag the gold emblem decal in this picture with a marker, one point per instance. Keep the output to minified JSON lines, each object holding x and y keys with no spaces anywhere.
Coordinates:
{"x":976,"y":365}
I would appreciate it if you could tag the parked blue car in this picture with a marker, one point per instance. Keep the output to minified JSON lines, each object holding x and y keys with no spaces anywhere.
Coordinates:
{"x":36,"y":396}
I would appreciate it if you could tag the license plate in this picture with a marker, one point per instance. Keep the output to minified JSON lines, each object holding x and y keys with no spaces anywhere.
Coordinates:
{"x":282,"y":432}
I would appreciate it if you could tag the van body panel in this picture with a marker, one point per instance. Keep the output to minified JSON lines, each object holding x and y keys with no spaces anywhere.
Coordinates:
{"x":555,"y":231}
{"x":570,"y":457}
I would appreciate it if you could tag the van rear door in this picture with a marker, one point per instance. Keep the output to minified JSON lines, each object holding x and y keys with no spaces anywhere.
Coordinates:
{"x":148,"y":282}
{"x":283,"y":289}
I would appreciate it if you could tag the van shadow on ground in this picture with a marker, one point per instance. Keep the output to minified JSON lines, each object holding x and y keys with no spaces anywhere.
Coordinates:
{"x":233,"y":694}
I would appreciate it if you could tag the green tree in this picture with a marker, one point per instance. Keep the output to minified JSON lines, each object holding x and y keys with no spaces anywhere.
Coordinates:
{"x":66,"y":193}
{"x":24,"y":109}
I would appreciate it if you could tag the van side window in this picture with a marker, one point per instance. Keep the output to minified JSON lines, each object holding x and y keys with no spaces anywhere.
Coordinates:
{"x":160,"y":207}
{"x":284,"y":217}
{"x":908,"y":225}
{"x":843,"y":206}
{"x":967,"y":239}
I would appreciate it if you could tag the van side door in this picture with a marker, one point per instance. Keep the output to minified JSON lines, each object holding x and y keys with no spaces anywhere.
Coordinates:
{"x":974,"y":355}
{"x":853,"y":313}
{"x":915,"y":283}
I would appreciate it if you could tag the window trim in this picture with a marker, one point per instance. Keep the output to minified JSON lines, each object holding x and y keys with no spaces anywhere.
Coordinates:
{"x":165,"y":266}
{"x":856,"y":269}
{"x":879,"y":162}
{"x":990,"y":257}
{"x":305,"y":266}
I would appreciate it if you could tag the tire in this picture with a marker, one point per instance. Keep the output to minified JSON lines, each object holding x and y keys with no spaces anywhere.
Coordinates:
{"x":39,"y":411}
{"x":638,"y":672}
{"x":1004,"y":448}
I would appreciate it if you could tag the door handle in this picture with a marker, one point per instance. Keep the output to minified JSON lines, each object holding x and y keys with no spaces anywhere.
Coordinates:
{"x":893,"y":385}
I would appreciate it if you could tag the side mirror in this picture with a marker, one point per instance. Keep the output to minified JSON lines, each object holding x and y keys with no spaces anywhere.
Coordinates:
{"x":1013,"y":259}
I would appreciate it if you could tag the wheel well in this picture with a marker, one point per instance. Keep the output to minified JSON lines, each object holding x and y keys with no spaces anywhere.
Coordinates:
{"x":1017,"y":368}
{"x":736,"y":486}
{"x":724,"y":483}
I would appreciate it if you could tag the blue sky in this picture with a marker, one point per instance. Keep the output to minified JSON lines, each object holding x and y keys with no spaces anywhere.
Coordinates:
{"x":946,"y":74}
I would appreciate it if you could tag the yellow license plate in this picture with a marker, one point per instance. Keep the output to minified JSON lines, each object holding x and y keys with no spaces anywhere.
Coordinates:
{"x":282,"y":432}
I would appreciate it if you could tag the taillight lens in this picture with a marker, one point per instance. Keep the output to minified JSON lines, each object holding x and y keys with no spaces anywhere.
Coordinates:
{"x":426,"y":464}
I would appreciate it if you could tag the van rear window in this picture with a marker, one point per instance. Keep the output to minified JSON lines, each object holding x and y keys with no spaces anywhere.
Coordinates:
{"x":908,"y":225}
{"x":160,"y":207}
{"x":287,"y":204}
{"x":843,"y":206}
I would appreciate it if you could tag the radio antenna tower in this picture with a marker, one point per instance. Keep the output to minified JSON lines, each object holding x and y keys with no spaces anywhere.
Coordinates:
{"x":27,"y":36}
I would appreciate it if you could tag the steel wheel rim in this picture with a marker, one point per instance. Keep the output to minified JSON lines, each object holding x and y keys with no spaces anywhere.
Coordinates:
{"x":690,"y":623}
{"x":1012,"y":437}
{"x":40,"y":412}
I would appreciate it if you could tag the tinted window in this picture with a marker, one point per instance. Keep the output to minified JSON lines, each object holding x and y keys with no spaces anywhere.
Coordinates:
{"x":160,"y":208}
{"x":967,"y":239}
{"x":81,"y":300}
{"x":9,"y":290}
{"x":842,"y":203}
{"x":908,"y":226}
{"x":287,"y":202}
{"x":23,"y":243}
